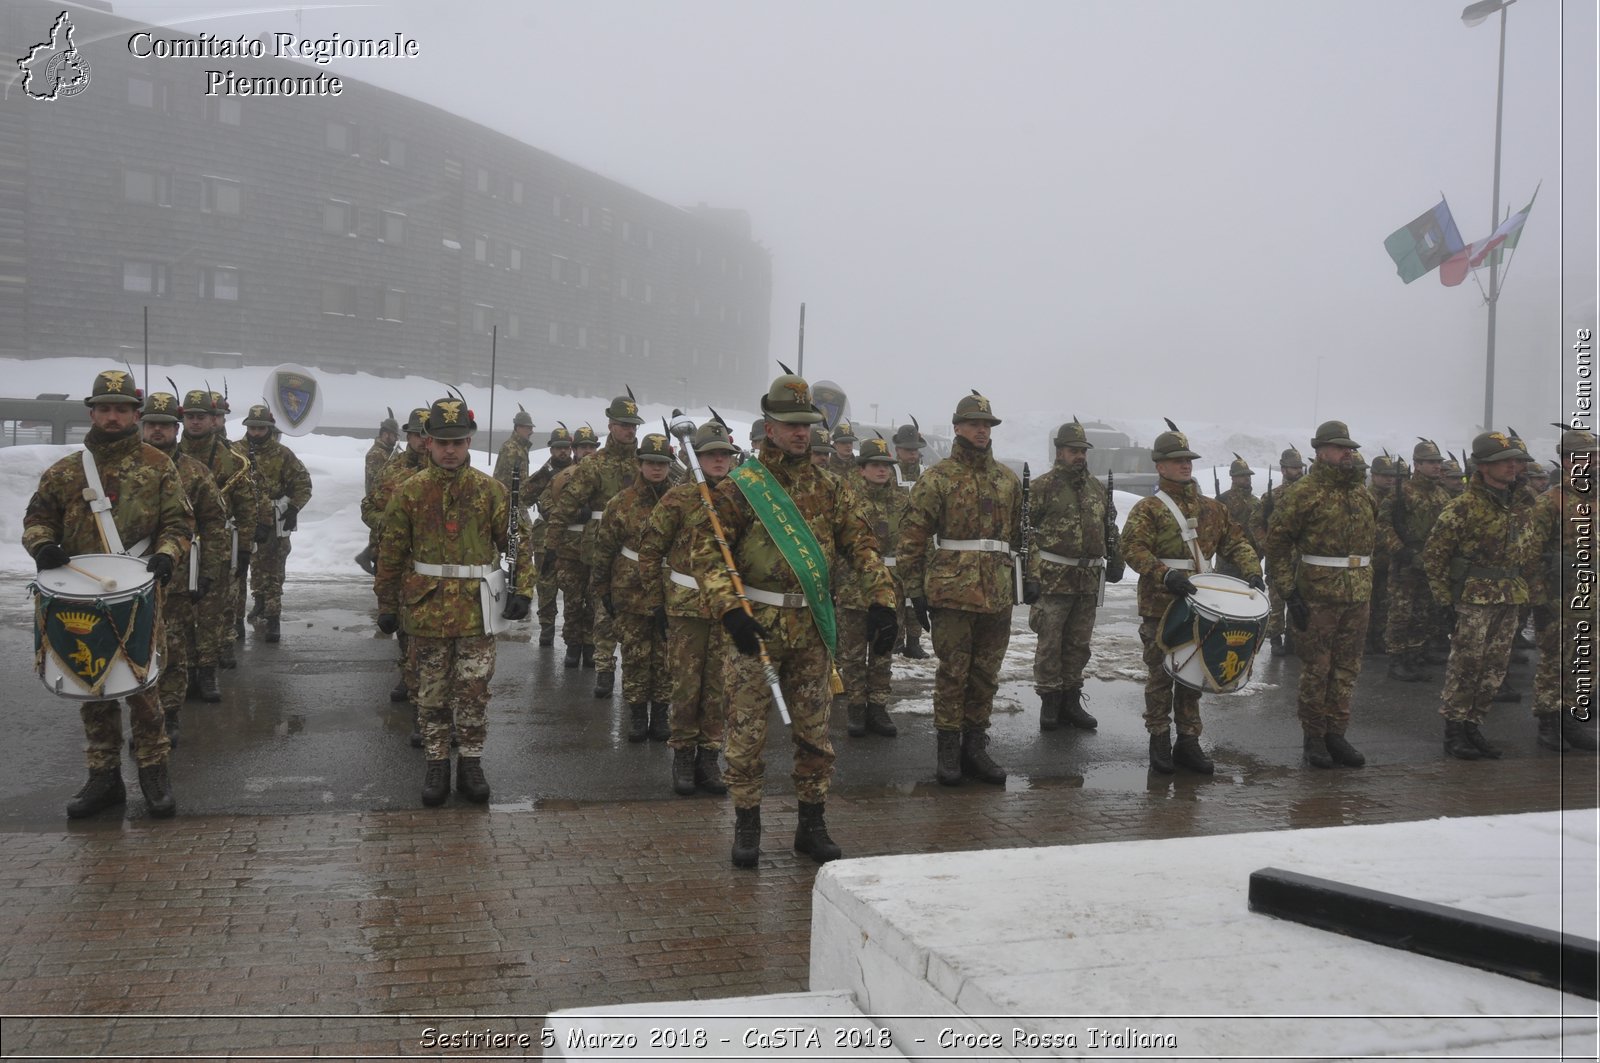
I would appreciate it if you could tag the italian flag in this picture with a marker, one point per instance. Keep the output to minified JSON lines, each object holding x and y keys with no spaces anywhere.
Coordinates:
{"x":1453,"y":270}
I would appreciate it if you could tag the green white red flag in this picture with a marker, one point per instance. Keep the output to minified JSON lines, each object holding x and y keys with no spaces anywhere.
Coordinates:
{"x":1453,"y":270}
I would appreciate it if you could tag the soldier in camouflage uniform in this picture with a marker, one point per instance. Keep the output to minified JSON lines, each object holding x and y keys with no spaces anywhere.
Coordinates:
{"x":1293,"y":467}
{"x":580,"y":500}
{"x":287,"y":490}
{"x":908,"y":446}
{"x":1405,"y":520}
{"x":696,"y":643}
{"x":207,"y":571}
{"x":1387,"y":472}
{"x":1319,"y":544}
{"x":205,"y":440}
{"x":400,"y":468}
{"x":382,"y":450}
{"x":563,"y":557}
{"x":560,"y":444}
{"x":1067,"y":559}
{"x":443,"y":533}
{"x":147,"y":507}
{"x":1565,"y":713}
{"x":1153,"y":545}
{"x":866,"y":674}
{"x":961,"y":585}
{"x":781,"y":614}
{"x":250,"y":532}
{"x":1454,"y":482}
{"x":842,"y":462}
{"x":1242,"y":505}
{"x":1477,"y":560}
{"x":821,"y":448}
{"x":619,"y":583}
{"x":513,"y":458}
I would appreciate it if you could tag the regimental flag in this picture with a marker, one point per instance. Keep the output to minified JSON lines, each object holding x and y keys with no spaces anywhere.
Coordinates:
{"x":1423,"y":244}
{"x":1454,"y":269}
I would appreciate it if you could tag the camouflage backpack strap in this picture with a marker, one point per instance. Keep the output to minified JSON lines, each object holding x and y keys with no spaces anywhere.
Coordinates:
{"x":792,"y":536}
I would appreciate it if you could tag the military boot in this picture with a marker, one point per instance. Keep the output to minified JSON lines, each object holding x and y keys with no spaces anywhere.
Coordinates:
{"x":1049,"y":710}
{"x":660,"y":721}
{"x":746,"y":836}
{"x":1276,"y":642}
{"x":1505,"y":695}
{"x":683,"y":771}
{"x":638,"y":721}
{"x":226,"y":660}
{"x":574,"y":655}
{"x":879,"y":722}
{"x":975,"y":759}
{"x":1161,"y":753}
{"x":470,"y":781}
{"x":856,"y":721}
{"x":400,"y":692}
{"x":1550,"y":732}
{"x":604,"y":684}
{"x":588,"y":655}
{"x":1476,"y":737}
{"x":257,"y":609}
{"x":1316,"y":751}
{"x":547,"y":634}
{"x":1407,"y":668}
{"x":1578,"y":733}
{"x":1456,"y":742}
{"x":209,"y":692}
{"x":436,"y":782}
{"x":238,"y":630}
{"x":156,"y":785}
{"x":103,"y":790}
{"x":1186,"y":753}
{"x":272,"y":629}
{"x":1340,"y":749}
{"x":191,"y":690}
{"x":1073,"y":712}
{"x":416,"y":730}
{"x":707,"y":772}
{"x":173,"y":726}
{"x":1436,"y":653}
{"x":913,"y":648}
{"x":811,"y":834}
{"x":949,"y":757}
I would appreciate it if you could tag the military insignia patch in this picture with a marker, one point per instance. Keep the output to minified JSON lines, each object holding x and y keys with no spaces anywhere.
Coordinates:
{"x":630,"y":408}
{"x":116,"y":380}
{"x":295,"y":394}
{"x":86,"y":639}
{"x":802,"y":393}
{"x":450,"y":410}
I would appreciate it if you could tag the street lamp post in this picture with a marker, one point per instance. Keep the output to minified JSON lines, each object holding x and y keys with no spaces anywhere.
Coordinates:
{"x":1471,"y":16}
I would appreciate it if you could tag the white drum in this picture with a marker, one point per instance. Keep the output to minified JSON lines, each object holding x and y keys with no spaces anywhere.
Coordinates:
{"x":94,"y":626}
{"x":1211,"y":637}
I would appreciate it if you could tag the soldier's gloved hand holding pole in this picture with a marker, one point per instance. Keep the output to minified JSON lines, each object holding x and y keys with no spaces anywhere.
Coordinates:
{"x":517,"y":607}
{"x":1031,"y":590}
{"x":547,"y":564}
{"x":51,"y":555}
{"x":1177,"y":583}
{"x":744,"y":631}
{"x":263,"y":533}
{"x":159,"y":566}
{"x":1299,"y":611}
{"x":882,"y":629}
{"x":388,"y":623}
{"x":919,"y":606}
{"x":291,"y":518}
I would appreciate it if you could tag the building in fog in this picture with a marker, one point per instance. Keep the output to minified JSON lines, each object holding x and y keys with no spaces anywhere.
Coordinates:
{"x":364,"y":232}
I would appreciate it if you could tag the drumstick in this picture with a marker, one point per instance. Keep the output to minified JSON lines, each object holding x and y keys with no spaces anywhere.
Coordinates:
{"x":1230,"y":590}
{"x":106,"y":582}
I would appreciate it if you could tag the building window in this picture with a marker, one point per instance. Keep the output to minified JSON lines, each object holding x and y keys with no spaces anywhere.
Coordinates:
{"x":583,"y":215}
{"x":516,"y":259}
{"x":480,"y":248}
{"x":649,"y":294}
{"x":555,"y":334}
{"x":516,"y":191}
{"x":644,"y":348}
{"x":145,"y":186}
{"x":339,"y":299}
{"x":555,"y":206}
{"x":147,"y":93}
{"x":583,"y":276}
{"x":513,"y":326}
{"x":452,"y":238}
{"x":341,"y":136}
{"x":627,"y":231}
{"x":622,"y":286}
{"x":338,"y":217}
{"x":452,"y":168}
{"x":219,"y":282}
{"x":583,"y":336}
{"x":393,"y":151}
{"x":146,"y":278}
{"x":482,"y":318}
{"x":224,"y":110}
{"x":622,"y":343}
{"x":483,"y":180}
{"x":394,"y":304}
{"x":394,"y":227}
{"x":557,"y":268}
{"x":221,"y":196}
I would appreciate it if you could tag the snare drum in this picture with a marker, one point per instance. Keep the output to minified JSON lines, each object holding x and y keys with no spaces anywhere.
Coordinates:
{"x":94,"y":633}
{"x":1211,"y":637}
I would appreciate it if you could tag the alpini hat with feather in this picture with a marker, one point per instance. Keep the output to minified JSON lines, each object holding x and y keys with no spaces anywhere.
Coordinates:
{"x":1239,"y":467}
{"x":449,"y":418}
{"x":1426,"y":450}
{"x":389,"y":424}
{"x":161,"y":407}
{"x":417,"y":424}
{"x":1171,"y":445}
{"x":974,"y":407}
{"x":1291,"y":459}
{"x":909,"y":436}
{"x":712,"y":437}
{"x":199,"y":400}
{"x":113,"y":385}
{"x":1334,"y":434}
{"x":1071,"y":434}
{"x":624,"y":409}
{"x":1574,"y":440}
{"x":585,"y":437}
{"x":655,"y":447}
{"x":874,"y":450}
{"x":259,"y":416}
{"x":559,"y":436}
{"x":788,"y":400}
{"x":522,"y":418}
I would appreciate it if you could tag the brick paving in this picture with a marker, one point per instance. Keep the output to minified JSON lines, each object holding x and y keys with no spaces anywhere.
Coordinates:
{"x":349,"y":934}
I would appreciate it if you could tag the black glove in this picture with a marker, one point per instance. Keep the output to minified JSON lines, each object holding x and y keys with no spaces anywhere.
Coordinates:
{"x":202,"y":590}
{"x":1177,"y":583}
{"x":919,"y":606}
{"x":547,"y":564}
{"x":1299,"y":611}
{"x":160,"y":566}
{"x":611,"y":608}
{"x":1115,"y":570}
{"x":517,"y":607}
{"x":263,"y":533}
{"x":1031,"y":591}
{"x":659,"y":616}
{"x":1257,"y":582}
{"x":244,"y":564}
{"x":365,"y":560}
{"x":388,"y":623}
{"x":291,"y":519}
{"x":744,"y":631}
{"x":51,"y":555}
{"x":883,"y":630}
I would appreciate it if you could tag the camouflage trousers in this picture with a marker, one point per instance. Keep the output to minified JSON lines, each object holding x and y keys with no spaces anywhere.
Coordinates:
{"x":697,"y":652}
{"x":801,"y":660}
{"x":452,"y":690}
{"x":904,"y":615}
{"x":572,"y":579}
{"x":407,"y":664}
{"x":1480,"y":652}
{"x":1415,"y":618}
{"x":865,"y":674}
{"x":1330,"y":650}
{"x":266,"y":573}
{"x":1275,"y":611}
{"x":644,"y":659}
{"x":603,"y":633}
{"x":177,"y":617}
{"x":102,"y":720}
{"x":970,"y":647}
{"x":1556,"y":686}
{"x":546,"y":589}
{"x":1165,"y":703}
{"x":212,"y":628}
{"x":1064,"y":624}
{"x":238,"y":593}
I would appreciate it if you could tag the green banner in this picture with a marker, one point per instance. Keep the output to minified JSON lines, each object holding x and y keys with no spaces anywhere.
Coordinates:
{"x":794,"y":540}
{"x":87,"y":637}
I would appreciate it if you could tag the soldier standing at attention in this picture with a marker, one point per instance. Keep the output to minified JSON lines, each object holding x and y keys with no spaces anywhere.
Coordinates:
{"x":842,"y":462}
{"x":1387,"y":473}
{"x":908,"y":445}
{"x":149,"y":513}
{"x":866,"y":674}
{"x":400,"y":468}
{"x":1405,"y":520}
{"x":563,"y":557}
{"x":786,"y":564}
{"x":696,"y":643}
{"x":619,"y":583}
{"x":1454,"y":482}
{"x":1242,"y":506}
{"x":250,"y":532}
{"x":1066,"y":562}
{"x":382,"y":450}
{"x":216,"y":612}
{"x":1164,"y":552}
{"x":1293,"y":467}
{"x":968,"y":510}
{"x":560,"y":444}
{"x":443,"y":533}
{"x":821,"y":449}
{"x":1565,"y":719}
{"x":1477,"y":560}
{"x":287,"y":490}
{"x":513,"y":458}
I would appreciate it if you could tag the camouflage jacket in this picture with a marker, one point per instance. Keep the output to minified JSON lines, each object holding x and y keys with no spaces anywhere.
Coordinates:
{"x":1150,"y":537}
{"x":1482,"y":548}
{"x":844,"y":468}
{"x":240,"y":496}
{"x":146,"y":495}
{"x":537,"y":484}
{"x":830,"y":509}
{"x":1327,"y":513}
{"x":514,"y":459}
{"x":581,"y":495}
{"x":213,"y":547}
{"x":396,"y":471}
{"x":884,"y":506}
{"x":1264,"y":509}
{"x":907,"y":472}
{"x":444,"y":517}
{"x":1242,"y":505}
{"x":1419,"y":502}
{"x":378,"y":456}
{"x":1067,"y":508}
{"x":279,"y":474}
{"x":1562,"y":517}
{"x":629,"y":582}
{"x":967,"y":496}
{"x":677,"y":524}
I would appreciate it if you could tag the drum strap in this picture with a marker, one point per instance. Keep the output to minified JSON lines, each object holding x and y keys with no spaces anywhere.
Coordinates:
{"x":100,"y":505}
{"x":1186,"y":528}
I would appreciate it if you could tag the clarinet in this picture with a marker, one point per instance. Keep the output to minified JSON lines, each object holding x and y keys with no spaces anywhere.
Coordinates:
{"x":1020,"y":558}
{"x":1112,"y":536}
{"x":513,"y":529}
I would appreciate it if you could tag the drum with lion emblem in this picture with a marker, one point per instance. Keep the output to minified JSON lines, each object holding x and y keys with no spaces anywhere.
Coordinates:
{"x":94,"y":627}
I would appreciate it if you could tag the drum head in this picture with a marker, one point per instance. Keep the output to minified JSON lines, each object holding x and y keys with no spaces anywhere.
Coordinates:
{"x":97,"y":576}
{"x":1224,"y":596}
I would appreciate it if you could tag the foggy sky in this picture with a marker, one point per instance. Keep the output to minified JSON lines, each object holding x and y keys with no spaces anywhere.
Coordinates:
{"x":1113,"y":208}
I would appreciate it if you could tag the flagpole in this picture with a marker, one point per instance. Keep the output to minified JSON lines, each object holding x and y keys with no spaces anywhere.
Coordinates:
{"x":1494,"y":223}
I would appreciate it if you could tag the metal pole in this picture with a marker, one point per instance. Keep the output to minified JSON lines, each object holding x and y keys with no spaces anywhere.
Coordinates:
{"x":1494,"y":223}
{"x":802,"y":370}
{"x":494,"y":347}
{"x":147,"y":350}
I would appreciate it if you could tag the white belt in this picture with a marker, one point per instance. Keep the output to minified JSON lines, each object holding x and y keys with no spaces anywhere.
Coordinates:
{"x":596,"y":514}
{"x":782,"y":601}
{"x":1182,"y":564}
{"x":422,"y":568}
{"x":683,"y":579}
{"x":988,"y":546}
{"x":888,"y":562}
{"x":1348,"y":561}
{"x":631,"y":555}
{"x":1075,"y":562}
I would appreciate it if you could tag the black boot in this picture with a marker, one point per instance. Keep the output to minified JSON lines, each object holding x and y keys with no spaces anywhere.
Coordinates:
{"x":209,"y":692}
{"x":660,"y":721}
{"x":257,"y":610}
{"x":470,"y":781}
{"x":1550,"y":736}
{"x":746,"y":836}
{"x":172,"y":727}
{"x":878,"y":721}
{"x":1407,"y":668}
{"x":225,"y":659}
{"x":400,"y":692}
{"x":547,"y":634}
{"x":683,"y":771}
{"x":156,"y":785}
{"x":604,"y":684}
{"x":1579,"y":735}
{"x":707,"y":772}
{"x":416,"y":731}
{"x":272,"y":629}
{"x":856,"y":721}
{"x":949,"y":757}
{"x":238,"y":630}
{"x":1276,"y":642}
{"x":811,"y":834}
{"x":1456,"y":742}
{"x":975,"y":759}
{"x":1505,"y":695}
{"x":103,"y":790}
{"x":436,"y":782}
{"x":588,"y":655}
{"x":1049,"y":710}
{"x":574,"y":655}
{"x":1484,"y":746}
{"x":1436,"y":654}
{"x":1073,"y":712}
{"x":191,"y":689}
{"x":1316,"y":750}
{"x":638,"y":721}
{"x":1343,"y":752}
{"x":913,"y":648}
{"x":1186,"y":753}
{"x":1161,"y":753}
